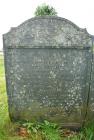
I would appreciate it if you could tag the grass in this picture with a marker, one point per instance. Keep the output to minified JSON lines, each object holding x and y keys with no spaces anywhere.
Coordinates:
{"x":48,"y":131}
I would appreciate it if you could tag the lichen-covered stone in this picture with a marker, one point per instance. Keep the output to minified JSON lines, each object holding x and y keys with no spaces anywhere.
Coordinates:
{"x":48,"y":70}
{"x":43,"y":32}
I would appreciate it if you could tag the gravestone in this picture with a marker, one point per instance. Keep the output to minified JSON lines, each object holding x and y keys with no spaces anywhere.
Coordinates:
{"x":49,"y":69}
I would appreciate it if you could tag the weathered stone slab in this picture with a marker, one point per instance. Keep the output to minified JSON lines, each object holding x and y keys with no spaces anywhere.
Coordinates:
{"x":48,"y":70}
{"x":90,"y":108}
{"x":43,"y":32}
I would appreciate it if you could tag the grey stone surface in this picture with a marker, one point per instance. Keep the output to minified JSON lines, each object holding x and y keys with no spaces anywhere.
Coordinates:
{"x":47,"y":32}
{"x":48,"y":63}
{"x":90,"y":108}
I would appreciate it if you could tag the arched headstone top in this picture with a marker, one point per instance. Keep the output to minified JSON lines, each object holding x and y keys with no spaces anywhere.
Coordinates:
{"x":47,"y":31}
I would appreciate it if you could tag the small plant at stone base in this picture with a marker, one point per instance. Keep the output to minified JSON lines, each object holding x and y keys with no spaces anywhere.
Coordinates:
{"x":33,"y":130}
{"x":49,"y":130}
{"x":32,"y":127}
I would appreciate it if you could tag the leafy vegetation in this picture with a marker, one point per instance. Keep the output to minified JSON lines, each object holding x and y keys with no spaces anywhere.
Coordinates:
{"x":48,"y":130}
{"x":34,"y":131}
{"x":45,"y":10}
